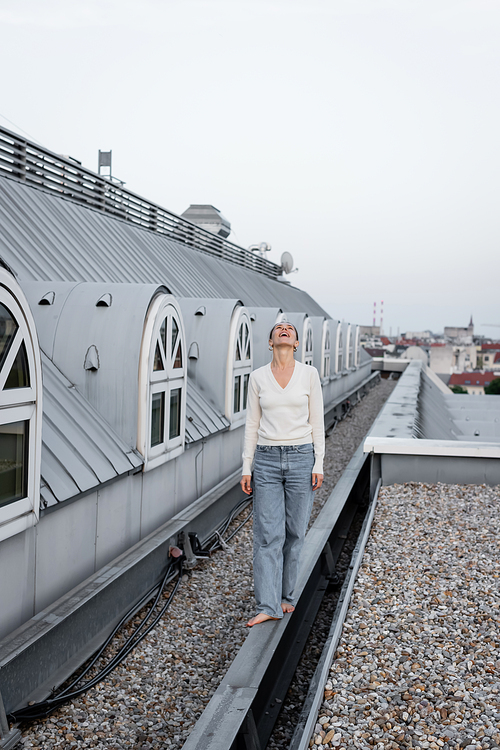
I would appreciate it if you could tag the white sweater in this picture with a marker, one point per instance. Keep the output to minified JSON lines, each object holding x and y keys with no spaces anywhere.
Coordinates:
{"x":284,"y":416}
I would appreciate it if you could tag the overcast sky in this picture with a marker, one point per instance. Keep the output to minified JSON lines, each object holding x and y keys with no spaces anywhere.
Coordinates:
{"x":362,"y":136}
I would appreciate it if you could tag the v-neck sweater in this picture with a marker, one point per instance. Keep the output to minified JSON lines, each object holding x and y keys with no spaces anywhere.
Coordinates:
{"x":284,"y":416}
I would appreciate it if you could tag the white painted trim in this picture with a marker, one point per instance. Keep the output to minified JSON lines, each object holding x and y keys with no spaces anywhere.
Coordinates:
{"x":356,"y":346}
{"x":324,"y":352}
{"x":423,"y":447}
{"x":158,"y":310}
{"x":307,"y":326}
{"x":23,"y":404}
{"x":17,"y":525}
{"x":338,"y":337}
{"x":239,"y":313}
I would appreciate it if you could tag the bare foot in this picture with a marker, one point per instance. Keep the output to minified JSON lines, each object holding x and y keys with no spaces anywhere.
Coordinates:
{"x":261,"y":617}
{"x":286,"y":607}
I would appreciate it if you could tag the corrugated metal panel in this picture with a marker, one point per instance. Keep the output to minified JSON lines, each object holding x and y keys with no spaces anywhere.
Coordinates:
{"x":49,"y":238}
{"x":79,"y":449}
{"x":202,"y":419}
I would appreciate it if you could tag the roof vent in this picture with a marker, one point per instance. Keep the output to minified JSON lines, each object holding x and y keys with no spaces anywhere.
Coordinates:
{"x":201,"y":310}
{"x":92,"y":359}
{"x":194,"y":351}
{"x":104,"y":301}
{"x":48,"y":299}
{"x":208,"y":217}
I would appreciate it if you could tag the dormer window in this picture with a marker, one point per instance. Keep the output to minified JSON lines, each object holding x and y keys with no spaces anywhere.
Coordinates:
{"x":161,"y":430}
{"x":239,"y":366}
{"x":326,"y":349}
{"x":307,"y":356}
{"x":357,"y":346}
{"x":350,"y":347}
{"x":340,"y":349}
{"x":20,"y":414}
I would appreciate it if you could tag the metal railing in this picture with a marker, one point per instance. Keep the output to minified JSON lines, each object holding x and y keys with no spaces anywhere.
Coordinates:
{"x":38,"y":167}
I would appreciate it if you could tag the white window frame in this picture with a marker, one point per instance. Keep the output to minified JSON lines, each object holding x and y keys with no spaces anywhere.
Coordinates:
{"x":326,"y":348}
{"x":339,"y":350}
{"x":163,"y":307}
{"x":357,"y":346}
{"x":349,"y":347}
{"x":238,"y":368}
{"x":308,"y":345}
{"x":22,"y":405}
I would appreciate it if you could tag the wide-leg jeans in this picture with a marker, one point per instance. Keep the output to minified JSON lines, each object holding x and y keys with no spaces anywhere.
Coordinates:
{"x":282,"y":502}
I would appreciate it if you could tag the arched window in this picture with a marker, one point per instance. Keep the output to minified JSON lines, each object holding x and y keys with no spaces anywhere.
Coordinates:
{"x":357,"y":346}
{"x":239,"y":366}
{"x":350,"y":344}
{"x":326,"y":349}
{"x":163,"y":367}
{"x":20,"y":413}
{"x":340,"y":349}
{"x":307,"y":352}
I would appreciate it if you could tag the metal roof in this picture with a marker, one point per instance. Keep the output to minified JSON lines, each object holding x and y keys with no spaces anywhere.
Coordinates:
{"x":202,"y":419}
{"x":32,"y":164}
{"x":48,"y":238}
{"x":79,"y":449}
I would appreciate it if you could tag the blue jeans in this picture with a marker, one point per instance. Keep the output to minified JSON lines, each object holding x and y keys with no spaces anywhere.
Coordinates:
{"x":282,"y":502}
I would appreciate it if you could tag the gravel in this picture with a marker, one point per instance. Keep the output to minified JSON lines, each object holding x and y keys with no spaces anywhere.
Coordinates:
{"x":154,"y":698}
{"x":418,"y":663}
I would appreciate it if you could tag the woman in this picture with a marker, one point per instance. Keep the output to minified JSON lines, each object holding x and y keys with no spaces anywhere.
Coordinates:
{"x":285,"y":439}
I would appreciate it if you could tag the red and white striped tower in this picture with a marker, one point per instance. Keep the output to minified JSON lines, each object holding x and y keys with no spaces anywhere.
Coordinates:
{"x":381,"y":317}
{"x":374,"y":314}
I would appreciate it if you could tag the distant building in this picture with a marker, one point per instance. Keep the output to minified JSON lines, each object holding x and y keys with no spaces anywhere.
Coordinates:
{"x":489,"y":356}
{"x":449,"y":358}
{"x":418,"y":335}
{"x":369,"y":331}
{"x":473,"y":382}
{"x":416,"y":352}
{"x":460,"y":335}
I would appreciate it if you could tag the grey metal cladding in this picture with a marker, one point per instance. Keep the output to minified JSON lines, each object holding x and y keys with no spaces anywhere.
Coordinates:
{"x":116,"y":333}
{"x":47,"y":237}
{"x":317,"y":328}
{"x":79,"y":450}
{"x":202,"y":419}
{"x":263,"y":319}
{"x":297,"y":319}
{"x":47,"y":316}
{"x":211,"y":333}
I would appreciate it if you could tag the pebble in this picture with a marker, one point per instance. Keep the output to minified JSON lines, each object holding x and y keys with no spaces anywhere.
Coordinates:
{"x":418,"y":662}
{"x":154,"y":698}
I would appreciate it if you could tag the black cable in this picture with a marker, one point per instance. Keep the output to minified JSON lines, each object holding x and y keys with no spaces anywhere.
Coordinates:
{"x":110,"y":637}
{"x":44,"y":708}
{"x":124,"y":619}
{"x":224,"y":525}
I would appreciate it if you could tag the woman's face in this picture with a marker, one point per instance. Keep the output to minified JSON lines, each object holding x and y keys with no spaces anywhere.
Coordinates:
{"x":283,"y":335}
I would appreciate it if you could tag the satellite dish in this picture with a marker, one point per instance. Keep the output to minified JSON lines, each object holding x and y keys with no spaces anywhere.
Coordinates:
{"x":286,"y":262}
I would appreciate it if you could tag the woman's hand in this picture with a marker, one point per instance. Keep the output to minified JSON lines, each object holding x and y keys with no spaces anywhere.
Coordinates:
{"x":317,"y":480}
{"x":246,"y":484}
